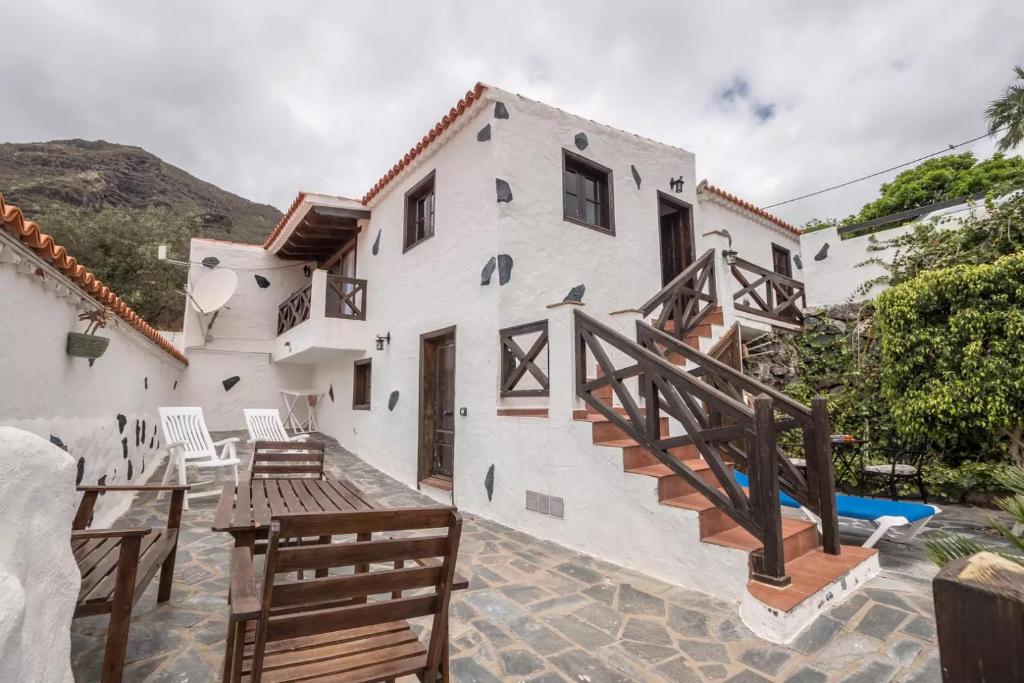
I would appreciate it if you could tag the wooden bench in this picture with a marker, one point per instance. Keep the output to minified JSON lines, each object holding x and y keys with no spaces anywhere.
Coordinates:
{"x":117,"y":565}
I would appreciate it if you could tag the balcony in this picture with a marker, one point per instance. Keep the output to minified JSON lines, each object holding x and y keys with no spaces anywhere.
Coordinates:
{"x":325,"y":317}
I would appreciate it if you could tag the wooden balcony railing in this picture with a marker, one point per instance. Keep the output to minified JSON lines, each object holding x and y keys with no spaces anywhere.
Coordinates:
{"x":710,"y":404}
{"x":766,"y":293}
{"x":687,"y":299}
{"x":294,"y":309}
{"x":346,"y":298}
{"x":524,"y":373}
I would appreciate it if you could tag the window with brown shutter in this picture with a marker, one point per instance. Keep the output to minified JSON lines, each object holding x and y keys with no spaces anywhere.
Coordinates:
{"x":361,"y":384}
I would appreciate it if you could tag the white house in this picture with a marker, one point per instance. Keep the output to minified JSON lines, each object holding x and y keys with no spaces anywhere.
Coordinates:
{"x":430,"y":326}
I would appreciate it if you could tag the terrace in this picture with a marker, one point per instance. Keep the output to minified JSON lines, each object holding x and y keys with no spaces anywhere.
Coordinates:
{"x":540,"y":612}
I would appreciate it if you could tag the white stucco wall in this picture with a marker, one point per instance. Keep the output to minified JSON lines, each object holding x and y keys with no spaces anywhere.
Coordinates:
{"x":39,"y":579}
{"x":243,"y":336}
{"x":93,"y":411}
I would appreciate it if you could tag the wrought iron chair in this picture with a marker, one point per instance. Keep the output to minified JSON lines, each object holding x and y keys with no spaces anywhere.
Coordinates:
{"x":900,"y":465}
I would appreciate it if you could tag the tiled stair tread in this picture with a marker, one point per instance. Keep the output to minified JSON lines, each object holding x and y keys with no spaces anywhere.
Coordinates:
{"x":740,"y":538}
{"x":662,"y":470}
{"x":809,"y":573}
{"x":598,"y":417}
{"x":617,"y":443}
{"x":692,"y":501}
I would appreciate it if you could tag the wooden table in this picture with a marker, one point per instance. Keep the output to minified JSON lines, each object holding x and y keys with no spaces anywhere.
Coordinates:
{"x":245,"y":511}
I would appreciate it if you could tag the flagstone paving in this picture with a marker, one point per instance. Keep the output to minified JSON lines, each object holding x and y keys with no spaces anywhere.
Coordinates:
{"x":538,"y":612}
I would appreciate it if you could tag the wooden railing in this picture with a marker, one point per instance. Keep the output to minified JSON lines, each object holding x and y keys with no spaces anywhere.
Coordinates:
{"x":710,"y":403}
{"x":294,"y":309}
{"x":687,"y":299}
{"x":766,"y":293}
{"x":346,"y":298}
{"x":516,"y":363}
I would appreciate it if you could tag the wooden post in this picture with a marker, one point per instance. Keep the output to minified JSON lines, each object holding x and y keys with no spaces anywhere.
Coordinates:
{"x":823,"y":489}
{"x":979,"y":615}
{"x":768,"y":563}
{"x":121,"y":609}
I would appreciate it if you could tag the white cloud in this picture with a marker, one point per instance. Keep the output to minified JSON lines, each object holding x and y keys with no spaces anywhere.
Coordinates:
{"x":265,"y":98}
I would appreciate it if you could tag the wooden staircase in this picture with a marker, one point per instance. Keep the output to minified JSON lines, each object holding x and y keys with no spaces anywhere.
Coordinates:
{"x":809,"y":567}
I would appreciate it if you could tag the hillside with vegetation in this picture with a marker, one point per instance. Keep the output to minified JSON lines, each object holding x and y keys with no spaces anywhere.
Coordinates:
{"x":111,"y":205}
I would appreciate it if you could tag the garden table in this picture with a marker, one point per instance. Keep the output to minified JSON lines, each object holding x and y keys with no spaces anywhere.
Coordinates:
{"x":292,"y":420}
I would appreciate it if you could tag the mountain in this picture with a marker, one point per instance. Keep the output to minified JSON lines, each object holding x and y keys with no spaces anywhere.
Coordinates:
{"x":112,"y":205}
{"x":53,"y":180}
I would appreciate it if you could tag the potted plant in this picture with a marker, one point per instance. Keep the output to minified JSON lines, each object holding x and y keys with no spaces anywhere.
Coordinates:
{"x":87,"y":344}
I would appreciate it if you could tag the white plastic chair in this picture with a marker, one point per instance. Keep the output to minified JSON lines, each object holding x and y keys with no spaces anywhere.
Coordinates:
{"x":264,"y":424}
{"x":188,"y":442}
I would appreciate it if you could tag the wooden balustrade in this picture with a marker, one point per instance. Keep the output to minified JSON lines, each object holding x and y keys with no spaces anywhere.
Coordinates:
{"x":766,"y":293}
{"x":687,"y":299}
{"x":346,"y":298}
{"x":710,"y":404}
{"x":294,"y":309}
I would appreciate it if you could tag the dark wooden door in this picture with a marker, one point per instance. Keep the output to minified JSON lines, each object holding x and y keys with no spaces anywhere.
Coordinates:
{"x":676,"y":238}
{"x":437,"y":405}
{"x":781,"y":261}
{"x":444,"y":440}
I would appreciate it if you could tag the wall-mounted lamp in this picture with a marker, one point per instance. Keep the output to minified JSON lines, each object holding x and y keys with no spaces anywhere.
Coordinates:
{"x":381,"y":340}
{"x":307,"y":271}
{"x":730,"y":256}
{"x":728,"y":253}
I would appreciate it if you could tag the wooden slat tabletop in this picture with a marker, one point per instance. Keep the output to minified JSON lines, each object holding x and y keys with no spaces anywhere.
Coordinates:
{"x":250,"y":506}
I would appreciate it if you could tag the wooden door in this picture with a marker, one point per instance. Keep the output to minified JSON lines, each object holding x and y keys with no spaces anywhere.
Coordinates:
{"x":676,"y":238}
{"x":437,"y":405}
{"x":781,"y":261}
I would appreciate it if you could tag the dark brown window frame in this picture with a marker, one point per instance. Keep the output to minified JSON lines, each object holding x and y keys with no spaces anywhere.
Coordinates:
{"x":570,"y":158}
{"x":789,"y":259}
{"x":357,"y":368}
{"x":409,"y":216}
{"x":525,"y":358}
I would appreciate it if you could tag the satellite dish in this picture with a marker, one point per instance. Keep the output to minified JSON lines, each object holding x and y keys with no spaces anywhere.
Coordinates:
{"x":213,"y":290}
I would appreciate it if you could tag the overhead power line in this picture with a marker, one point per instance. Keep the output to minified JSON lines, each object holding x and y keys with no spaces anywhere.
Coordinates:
{"x":884,"y":171}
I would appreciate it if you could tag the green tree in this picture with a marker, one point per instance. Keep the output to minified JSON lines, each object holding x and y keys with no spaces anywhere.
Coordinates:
{"x":119,"y":247}
{"x":952,"y":357}
{"x":948,"y":177}
{"x":1007,"y":112}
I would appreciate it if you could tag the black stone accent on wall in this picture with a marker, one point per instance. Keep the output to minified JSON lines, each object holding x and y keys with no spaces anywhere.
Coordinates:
{"x":56,"y":441}
{"x":138,"y":432}
{"x":503,"y":190}
{"x":488,"y":271}
{"x":575,"y":294}
{"x":145,"y":383}
{"x":102,"y":481}
{"x":211,"y":261}
{"x":581,"y":141}
{"x":122,"y":421}
{"x":143,"y":431}
{"x":130,"y":470}
{"x":376,"y":243}
{"x":485,"y":133}
{"x":230,"y":382}
{"x":124,"y":447}
{"x":81,"y":471}
{"x":142,"y":465}
{"x":175,"y":387}
{"x":489,"y":483}
{"x":152,"y":439}
{"x":261,"y":281}
{"x":330,"y":392}
{"x":822,"y":253}
{"x":393,"y":400}
{"x":504,"y":269}
{"x":636,"y":175}
{"x":798,"y":261}
{"x":500,"y":110}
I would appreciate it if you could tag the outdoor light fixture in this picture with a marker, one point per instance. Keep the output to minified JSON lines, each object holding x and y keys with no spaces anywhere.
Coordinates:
{"x":730,"y":256}
{"x":307,"y":271}
{"x":381,"y":340}
{"x":728,"y":253}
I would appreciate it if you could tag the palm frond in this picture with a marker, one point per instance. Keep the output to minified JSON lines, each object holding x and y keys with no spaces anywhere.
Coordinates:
{"x":945,"y":548}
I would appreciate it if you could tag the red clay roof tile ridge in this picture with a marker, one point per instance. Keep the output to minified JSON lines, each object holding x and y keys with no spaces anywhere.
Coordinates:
{"x":704,"y":185}
{"x":13,"y":220}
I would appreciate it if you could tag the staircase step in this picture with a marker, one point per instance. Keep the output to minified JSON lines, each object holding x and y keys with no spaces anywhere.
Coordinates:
{"x":634,"y":455}
{"x":809,"y":573}
{"x":603,"y":430}
{"x":799,"y":537}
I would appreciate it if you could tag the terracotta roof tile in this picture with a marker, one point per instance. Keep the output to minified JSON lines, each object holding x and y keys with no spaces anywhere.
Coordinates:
{"x":446,"y":121}
{"x":28,"y":232}
{"x":705,"y":186}
{"x":284,"y":219}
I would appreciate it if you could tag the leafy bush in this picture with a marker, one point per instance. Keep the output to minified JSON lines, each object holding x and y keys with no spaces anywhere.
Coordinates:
{"x":952,"y":357}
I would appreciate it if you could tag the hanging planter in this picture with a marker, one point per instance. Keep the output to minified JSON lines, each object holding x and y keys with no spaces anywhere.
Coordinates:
{"x":88,"y":344}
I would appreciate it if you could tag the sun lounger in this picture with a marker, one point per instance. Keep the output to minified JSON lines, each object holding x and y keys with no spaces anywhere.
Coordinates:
{"x":884,"y":514}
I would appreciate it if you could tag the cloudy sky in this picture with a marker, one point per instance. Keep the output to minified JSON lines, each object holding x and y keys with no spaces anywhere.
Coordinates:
{"x":264,"y":98}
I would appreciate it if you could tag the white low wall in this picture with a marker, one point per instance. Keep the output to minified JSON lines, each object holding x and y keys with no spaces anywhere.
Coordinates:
{"x":38,"y":577}
{"x":105,"y":416}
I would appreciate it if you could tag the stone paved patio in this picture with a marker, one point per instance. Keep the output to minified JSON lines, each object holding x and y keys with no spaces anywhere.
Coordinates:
{"x":538,"y":612}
